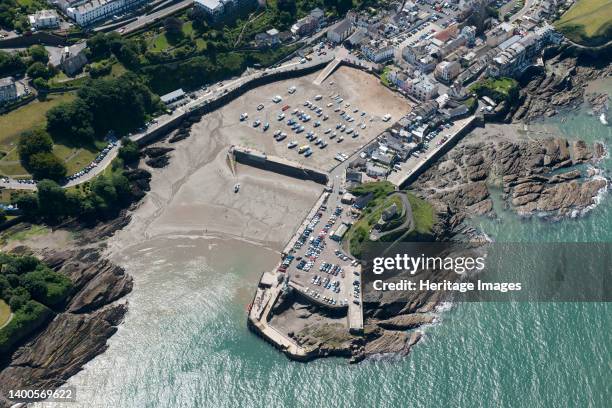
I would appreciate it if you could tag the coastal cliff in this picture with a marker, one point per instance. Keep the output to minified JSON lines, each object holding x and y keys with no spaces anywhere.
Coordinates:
{"x":79,"y":332}
{"x":561,"y":85}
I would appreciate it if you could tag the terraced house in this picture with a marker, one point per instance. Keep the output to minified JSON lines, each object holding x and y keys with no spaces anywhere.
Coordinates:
{"x":89,"y":12}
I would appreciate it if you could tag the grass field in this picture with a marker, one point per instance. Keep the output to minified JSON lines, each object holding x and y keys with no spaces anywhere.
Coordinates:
{"x":587,"y":22}
{"x":5,"y":312}
{"x":28,"y":117}
{"x":423,"y":214}
{"x":32,"y":116}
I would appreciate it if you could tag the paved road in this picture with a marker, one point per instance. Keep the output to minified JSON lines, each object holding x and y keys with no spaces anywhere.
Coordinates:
{"x":145,"y":20}
{"x":15,"y":185}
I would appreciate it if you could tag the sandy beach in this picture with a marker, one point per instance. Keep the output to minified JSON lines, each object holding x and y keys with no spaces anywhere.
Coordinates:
{"x":194,"y":194}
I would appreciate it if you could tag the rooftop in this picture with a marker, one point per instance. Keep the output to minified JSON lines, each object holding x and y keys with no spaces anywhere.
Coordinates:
{"x":6,"y":81}
{"x":169,"y":97}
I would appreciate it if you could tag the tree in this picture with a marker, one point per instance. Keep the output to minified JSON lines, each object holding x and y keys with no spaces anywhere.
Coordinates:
{"x":71,"y":122}
{"x":27,"y":204}
{"x":174,"y":26}
{"x":32,"y":142}
{"x":39,"y":70}
{"x":128,"y":55}
{"x":38,"y":53}
{"x":19,"y":298}
{"x":129,"y":151}
{"x":11,"y":64}
{"x":8,"y":15}
{"x":99,"y":46}
{"x":51,"y":200}
{"x":41,"y":84}
{"x":46,"y":166}
{"x":288,"y":6}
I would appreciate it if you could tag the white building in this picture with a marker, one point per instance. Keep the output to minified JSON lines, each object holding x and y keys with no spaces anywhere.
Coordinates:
{"x":8,"y":90}
{"x":93,"y":11}
{"x":499,"y":34}
{"x":378,"y":51}
{"x":340,"y":31}
{"x":447,"y":71}
{"x":422,"y":88}
{"x":44,"y":19}
{"x":212,"y":8}
{"x":215,"y":10}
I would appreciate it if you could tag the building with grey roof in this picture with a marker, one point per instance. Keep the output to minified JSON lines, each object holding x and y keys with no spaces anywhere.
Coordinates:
{"x":8,"y":90}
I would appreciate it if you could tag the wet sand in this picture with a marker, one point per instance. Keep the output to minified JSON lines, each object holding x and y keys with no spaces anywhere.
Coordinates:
{"x":194,"y":195}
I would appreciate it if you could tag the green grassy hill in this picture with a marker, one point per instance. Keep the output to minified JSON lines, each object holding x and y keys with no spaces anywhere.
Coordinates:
{"x":587,"y":22}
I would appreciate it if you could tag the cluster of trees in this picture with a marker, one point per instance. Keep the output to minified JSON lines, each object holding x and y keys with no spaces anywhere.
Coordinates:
{"x":127,"y":51}
{"x":118,"y":104}
{"x":13,"y":16}
{"x":101,"y":199}
{"x":36,"y":154}
{"x":34,"y":61}
{"x":200,"y":70}
{"x":31,"y":289}
{"x":11,"y":64}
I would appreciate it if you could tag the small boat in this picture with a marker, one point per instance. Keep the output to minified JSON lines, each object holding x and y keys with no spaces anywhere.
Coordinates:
{"x":236,"y":187}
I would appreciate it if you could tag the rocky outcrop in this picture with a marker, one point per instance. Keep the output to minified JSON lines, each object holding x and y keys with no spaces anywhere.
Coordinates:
{"x":140,"y":180}
{"x":562,"y":85}
{"x":406,"y":322}
{"x":536,"y":176}
{"x":599,"y":102}
{"x":79,"y":332}
{"x":59,"y":351}
{"x":391,"y":341}
{"x":157,"y":156}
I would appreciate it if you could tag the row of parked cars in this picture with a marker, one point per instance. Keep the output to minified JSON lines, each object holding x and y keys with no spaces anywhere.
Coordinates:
{"x":326,"y":283}
{"x":327,"y":299}
{"x":111,"y":144}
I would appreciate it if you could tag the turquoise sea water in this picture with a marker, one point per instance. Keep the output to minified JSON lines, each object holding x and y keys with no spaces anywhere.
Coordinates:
{"x":187,"y":345}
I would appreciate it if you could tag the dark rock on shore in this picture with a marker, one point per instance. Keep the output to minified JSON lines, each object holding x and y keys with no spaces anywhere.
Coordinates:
{"x":157,"y":151}
{"x":158,"y":162}
{"x":140,"y":180}
{"x":561,"y":86}
{"x":158,"y":156}
{"x":523,"y":169}
{"x":61,"y":350}
{"x":77,"y":334}
{"x":179,"y":135}
{"x":599,"y":102}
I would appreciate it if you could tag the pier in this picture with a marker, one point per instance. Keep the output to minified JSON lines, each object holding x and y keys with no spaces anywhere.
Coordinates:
{"x":414,"y":167}
{"x":259,"y":159}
